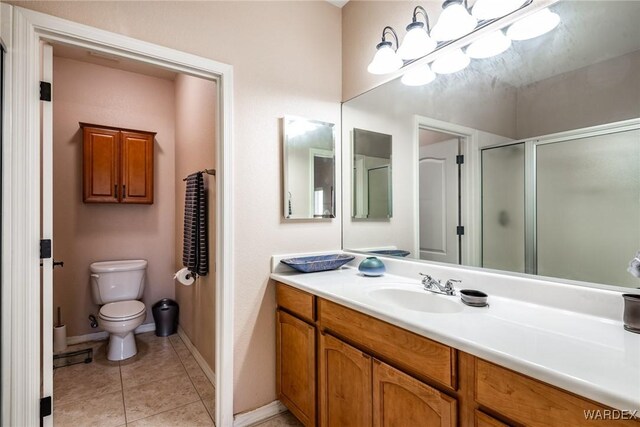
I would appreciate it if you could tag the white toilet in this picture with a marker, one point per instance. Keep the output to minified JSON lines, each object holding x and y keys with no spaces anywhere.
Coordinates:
{"x":117,"y":286}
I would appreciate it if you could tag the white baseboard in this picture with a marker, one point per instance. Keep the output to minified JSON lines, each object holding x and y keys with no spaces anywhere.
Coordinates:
{"x":196,"y":355}
{"x":99,"y":336}
{"x":259,"y":415}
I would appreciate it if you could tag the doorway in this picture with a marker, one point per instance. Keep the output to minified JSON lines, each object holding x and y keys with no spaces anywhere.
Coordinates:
{"x":439,"y":189}
{"x":23,"y":284}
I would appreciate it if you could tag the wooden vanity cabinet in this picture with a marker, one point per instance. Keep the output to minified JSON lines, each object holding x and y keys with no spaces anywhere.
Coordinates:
{"x":296,"y":365}
{"x":337,"y":367}
{"x":117,"y":165}
{"x":401,"y":400}
{"x":345,"y":385}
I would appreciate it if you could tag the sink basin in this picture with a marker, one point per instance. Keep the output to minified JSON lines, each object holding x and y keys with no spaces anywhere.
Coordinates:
{"x":417,"y":300}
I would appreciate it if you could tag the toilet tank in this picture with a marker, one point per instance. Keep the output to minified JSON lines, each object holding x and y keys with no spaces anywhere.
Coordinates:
{"x":113,"y":281}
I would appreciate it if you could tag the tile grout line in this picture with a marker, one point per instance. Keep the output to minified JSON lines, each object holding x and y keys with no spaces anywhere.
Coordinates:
{"x":189,"y":376}
{"x":124,"y":405}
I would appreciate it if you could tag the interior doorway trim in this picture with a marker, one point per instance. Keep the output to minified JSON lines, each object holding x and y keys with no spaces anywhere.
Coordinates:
{"x":21,"y":193}
{"x":470,"y":197}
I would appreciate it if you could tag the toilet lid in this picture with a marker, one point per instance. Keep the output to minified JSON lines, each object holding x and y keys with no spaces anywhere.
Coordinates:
{"x":122,"y":310}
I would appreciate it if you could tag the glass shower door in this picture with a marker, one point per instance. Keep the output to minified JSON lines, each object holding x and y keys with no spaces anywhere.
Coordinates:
{"x":503,"y":207}
{"x":588,"y":207}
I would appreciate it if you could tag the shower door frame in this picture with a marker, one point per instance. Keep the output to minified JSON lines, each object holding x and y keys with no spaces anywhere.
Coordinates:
{"x":22,"y":31}
{"x":530,"y":176}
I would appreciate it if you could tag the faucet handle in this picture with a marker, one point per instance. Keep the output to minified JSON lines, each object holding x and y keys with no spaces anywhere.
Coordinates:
{"x":426,"y":278}
{"x":451,"y":282}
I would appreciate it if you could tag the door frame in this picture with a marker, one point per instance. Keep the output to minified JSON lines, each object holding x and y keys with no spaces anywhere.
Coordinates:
{"x":470,"y":197}
{"x":21,"y":191}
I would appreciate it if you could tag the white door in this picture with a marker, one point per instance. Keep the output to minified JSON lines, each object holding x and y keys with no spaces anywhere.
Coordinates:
{"x":438,"y":201}
{"x":46,"y":109}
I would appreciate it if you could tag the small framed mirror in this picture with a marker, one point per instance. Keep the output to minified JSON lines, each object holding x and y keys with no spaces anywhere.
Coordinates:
{"x":309,"y":168}
{"x":372,"y":195}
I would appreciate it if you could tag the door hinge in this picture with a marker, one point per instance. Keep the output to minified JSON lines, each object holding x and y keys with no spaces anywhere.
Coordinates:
{"x":45,"y":407}
{"x":45,"y":91}
{"x":45,"y":248}
{"x":460,"y":230}
{"x":459,"y":159}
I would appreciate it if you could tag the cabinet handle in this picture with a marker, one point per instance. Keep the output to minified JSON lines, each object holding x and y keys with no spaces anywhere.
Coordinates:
{"x":115,"y":190}
{"x":124,"y":193}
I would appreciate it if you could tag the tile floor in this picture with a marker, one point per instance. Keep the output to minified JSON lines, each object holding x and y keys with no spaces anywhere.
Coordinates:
{"x":162,"y":385}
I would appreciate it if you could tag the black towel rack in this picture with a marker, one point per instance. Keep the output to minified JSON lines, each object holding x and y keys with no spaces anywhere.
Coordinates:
{"x":207,"y":171}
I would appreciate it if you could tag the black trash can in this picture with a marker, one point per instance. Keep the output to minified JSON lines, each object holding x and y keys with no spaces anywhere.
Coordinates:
{"x":165,"y":315}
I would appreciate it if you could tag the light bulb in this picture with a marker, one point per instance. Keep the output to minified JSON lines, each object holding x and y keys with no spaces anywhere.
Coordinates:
{"x":491,"y":9}
{"x":451,"y":62}
{"x":489,"y":45}
{"x":416,"y":42}
{"x":418,"y":76}
{"x":533,"y":25}
{"x":454,"y":22}
{"x":385,"y":60}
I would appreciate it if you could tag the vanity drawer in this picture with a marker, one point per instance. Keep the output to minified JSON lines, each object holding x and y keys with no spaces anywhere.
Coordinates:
{"x":531,"y":402}
{"x":296,"y":301}
{"x":419,"y":356}
{"x":483,"y":420}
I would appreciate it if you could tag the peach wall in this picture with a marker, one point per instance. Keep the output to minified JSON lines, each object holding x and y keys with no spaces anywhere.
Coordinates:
{"x":287,"y":60}
{"x":196,"y":150}
{"x":85,"y":233}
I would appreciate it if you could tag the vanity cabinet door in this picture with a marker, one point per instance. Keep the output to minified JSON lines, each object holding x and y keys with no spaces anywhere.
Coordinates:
{"x":345,"y":385}
{"x":296,"y":366}
{"x":402,"y":401}
{"x":137,"y":167}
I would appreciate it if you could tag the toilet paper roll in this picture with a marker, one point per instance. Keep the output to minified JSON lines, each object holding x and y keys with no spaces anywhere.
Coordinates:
{"x":59,"y":338}
{"x":184,"y":276}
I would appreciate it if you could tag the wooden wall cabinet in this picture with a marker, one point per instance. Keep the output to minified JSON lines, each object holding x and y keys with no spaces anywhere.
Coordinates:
{"x":117,"y":165}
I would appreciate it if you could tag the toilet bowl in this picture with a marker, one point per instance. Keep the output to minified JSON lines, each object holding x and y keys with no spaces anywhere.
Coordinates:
{"x":117,"y":287}
{"x":120,"y":319}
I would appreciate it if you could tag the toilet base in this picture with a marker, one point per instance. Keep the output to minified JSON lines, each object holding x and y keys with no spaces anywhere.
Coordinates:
{"x":121,"y":347}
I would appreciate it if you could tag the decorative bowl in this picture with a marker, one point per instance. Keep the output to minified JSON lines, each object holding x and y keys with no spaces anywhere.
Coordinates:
{"x":372,"y":266}
{"x":312,"y":264}
{"x":392,"y":252}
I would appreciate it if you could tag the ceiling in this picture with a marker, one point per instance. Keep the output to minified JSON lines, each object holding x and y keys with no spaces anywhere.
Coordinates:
{"x":84,"y":55}
{"x":339,"y":3}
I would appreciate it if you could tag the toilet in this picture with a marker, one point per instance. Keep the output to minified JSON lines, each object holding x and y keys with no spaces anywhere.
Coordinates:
{"x":117,"y":287}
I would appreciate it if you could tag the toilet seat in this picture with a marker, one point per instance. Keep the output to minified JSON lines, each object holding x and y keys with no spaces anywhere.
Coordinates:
{"x":122,"y":310}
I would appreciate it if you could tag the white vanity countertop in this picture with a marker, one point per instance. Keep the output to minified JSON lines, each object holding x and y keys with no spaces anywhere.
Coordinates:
{"x":588,"y":355}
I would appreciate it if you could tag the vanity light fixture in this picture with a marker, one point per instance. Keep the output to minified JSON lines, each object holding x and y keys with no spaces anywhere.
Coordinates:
{"x":416,"y":42}
{"x":451,"y":62}
{"x":533,"y":25}
{"x":418,"y":76}
{"x":455,"y":21}
{"x":491,"y":9}
{"x":386,"y":59}
{"x":489,"y":45}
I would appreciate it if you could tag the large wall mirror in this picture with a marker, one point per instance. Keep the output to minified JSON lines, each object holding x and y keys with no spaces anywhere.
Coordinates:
{"x":309,"y":168}
{"x":526,"y":162}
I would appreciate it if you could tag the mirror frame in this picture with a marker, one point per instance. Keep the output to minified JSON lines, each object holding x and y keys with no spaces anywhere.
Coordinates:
{"x":285,"y":178}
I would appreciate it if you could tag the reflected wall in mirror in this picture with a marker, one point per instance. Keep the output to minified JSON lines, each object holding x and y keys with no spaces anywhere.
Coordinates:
{"x":309,"y":168}
{"x":526,"y":162}
{"x":372,"y":182}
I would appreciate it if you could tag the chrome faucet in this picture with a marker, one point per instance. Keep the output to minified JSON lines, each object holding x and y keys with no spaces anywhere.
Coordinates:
{"x":433,"y":285}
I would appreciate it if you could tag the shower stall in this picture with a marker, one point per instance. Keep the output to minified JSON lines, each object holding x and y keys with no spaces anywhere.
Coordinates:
{"x":566,"y":205}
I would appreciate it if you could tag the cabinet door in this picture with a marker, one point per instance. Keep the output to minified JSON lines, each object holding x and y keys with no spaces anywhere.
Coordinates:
{"x":137,"y":167}
{"x":345,"y":385}
{"x":296,"y":366}
{"x":402,"y":401}
{"x":100,"y":165}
